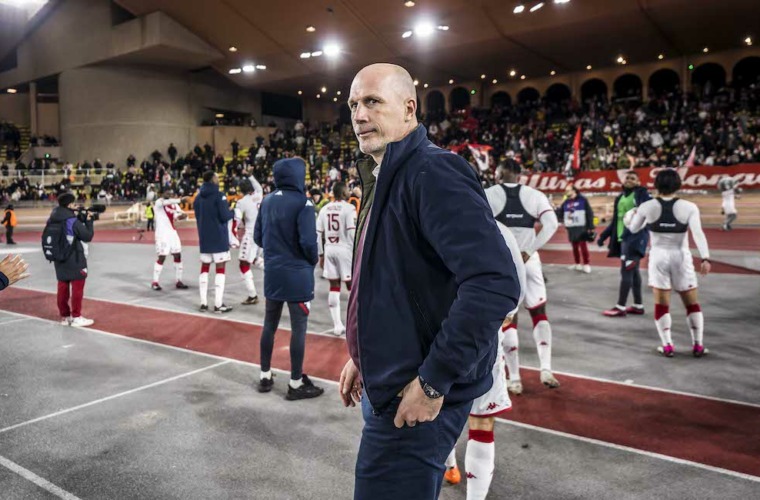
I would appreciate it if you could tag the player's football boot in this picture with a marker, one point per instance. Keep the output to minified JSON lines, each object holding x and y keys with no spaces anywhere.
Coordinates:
{"x":452,"y":475}
{"x":548,"y":379}
{"x":667,"y":350}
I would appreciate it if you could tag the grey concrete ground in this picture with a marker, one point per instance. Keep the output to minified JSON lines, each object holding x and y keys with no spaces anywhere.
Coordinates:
{"x":210,"y":435}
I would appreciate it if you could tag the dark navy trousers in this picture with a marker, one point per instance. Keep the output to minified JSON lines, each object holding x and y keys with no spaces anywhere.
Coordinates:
{"x":406,"y":463}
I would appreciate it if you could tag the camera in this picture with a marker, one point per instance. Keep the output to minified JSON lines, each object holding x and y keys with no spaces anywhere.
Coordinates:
{"x":92,"y":212}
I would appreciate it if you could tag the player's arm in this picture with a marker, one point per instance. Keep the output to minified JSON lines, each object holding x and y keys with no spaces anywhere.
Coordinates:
{"x":695,"y":226}
{"x":637,"y":219}
{"x":549,"y":223}
{"x":349,"y":219}
{"x":321,"y":232}
{"x":257,"y":189}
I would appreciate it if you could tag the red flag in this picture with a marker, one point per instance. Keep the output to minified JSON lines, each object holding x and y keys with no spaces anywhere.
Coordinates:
{"x":577,"y":150}
{"x":690,"y":159}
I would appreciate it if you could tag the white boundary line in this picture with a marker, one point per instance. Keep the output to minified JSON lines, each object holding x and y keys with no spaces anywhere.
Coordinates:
{"x":114,"y":396}
{"x":39,"y":481}
{"x":210,"y":315}
{"x":334,"y":383}
{"x":651,"y":454}
{"x":651,"y":388}
{"x":18,"y":320}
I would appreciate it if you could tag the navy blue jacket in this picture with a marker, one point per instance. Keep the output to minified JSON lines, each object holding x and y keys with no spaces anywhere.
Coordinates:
{"x":632,"y":245}
{"x":287,"y":231}
{"x":437,"y":278}
{"x":211,"y":216}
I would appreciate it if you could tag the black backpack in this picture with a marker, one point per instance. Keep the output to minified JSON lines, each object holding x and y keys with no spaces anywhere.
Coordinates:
{"x":55,"y":244}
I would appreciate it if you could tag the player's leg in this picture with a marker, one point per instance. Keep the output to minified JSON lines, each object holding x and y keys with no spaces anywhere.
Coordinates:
{"x":511,"y":345}
{"x":158,"y":266}
{"x":219,"y":282}
{"x":178,"y":268}
{"x":638,"y":301}
{"x":333,"y":302}
{"x":685,"y":282}
{"x":576,"y":256}
{"x":627,"y":271}
{"x":480,"y":456}
{"x":272,"y":314}
{"x":730,"y":218}
{"x":247,"y":255}
{"x":663,"y":321}
{"x":203,"y":280}
{"x":77,"y":296}
{"x":695,"y":319}
{"x":542,"y":334}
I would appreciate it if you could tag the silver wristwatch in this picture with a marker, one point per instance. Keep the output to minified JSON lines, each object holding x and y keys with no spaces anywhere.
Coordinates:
{"x":428,"y":389}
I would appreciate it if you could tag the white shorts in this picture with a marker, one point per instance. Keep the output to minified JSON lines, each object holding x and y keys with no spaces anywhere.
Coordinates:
{"x":248,"y":249}
{"x":535,"y":287}
{"x":168,"y":244}
{"x":216,"y":258}
{"x":338,"y":263}
{"x":729,"y":208}
{"x":496,"y":400}
{"x":671,"y":269}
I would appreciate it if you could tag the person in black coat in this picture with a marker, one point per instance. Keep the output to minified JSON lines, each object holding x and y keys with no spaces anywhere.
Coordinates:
{"x":172,"y":152}
{"x":628,"y":247}
{"x":578,"y":217}
{"x":286,"y":229}
{"x":71,"y":273}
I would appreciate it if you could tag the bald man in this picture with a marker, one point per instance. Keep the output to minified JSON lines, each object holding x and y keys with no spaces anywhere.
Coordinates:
{"x":433,"y":280}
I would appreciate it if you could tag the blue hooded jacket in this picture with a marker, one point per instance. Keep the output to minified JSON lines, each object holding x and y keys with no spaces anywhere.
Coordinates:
{"x":287,"y":231}
{"x":211,"y":216}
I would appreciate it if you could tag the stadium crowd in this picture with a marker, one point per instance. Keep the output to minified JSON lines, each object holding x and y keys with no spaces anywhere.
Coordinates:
{"x":723,"y":130}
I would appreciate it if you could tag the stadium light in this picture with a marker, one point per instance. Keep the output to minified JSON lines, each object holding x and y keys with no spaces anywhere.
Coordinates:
{"x":552,"y":73}
{"x":219,"y":115}
{"x":316,"y":53}
{"x":661,"y":57}
{"x":406,"y":34}
{"x":424,"y":29}
{"x":482,"y":77}
{"x":233,"y":49}
{"x":537,"y":6}
{"x":335,"y":99}
{"x":443,"y":27}
{"x":512,"y":73}
{"x":451,"y":82}
{"x":522,"y":77}
{"x":561,"y":1}
{"x":249,"y":68}
{"x":331,"y":49}
{"x":588,"y":67}
{"x":472,"y":92}
{"x":706,"y":50}
{"x":235,"y":71}
{"x":416,"y":82}
{"x":323,"y":89}
{"x":426,"y":85}
{"x":12,"y":91}
{"x":305,"y":55}
{"x":519,"y":9}
{"x":337,"y":93}
{"x":311,"y":29}
{"x":494,"y":81}
{"x":260,"y":66}
{"x":409,"y":3}
{"x":748,"y":40}
{"x":620,"y":59}
{"x":300,"y":92}
{"x":319,"y":96}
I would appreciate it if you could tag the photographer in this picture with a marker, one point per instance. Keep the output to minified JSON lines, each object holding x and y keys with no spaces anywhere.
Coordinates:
{"x":71,"y":267}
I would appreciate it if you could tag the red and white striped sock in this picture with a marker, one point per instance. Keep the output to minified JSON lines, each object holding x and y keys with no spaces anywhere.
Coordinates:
{"x":663,"y":322}
{"x":696,"y":322}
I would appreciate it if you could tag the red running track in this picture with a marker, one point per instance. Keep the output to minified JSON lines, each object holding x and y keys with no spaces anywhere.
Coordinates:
{"x":715,"y":433}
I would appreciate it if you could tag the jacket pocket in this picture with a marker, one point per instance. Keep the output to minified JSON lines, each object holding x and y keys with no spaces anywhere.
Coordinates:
{"x":422,"y":319}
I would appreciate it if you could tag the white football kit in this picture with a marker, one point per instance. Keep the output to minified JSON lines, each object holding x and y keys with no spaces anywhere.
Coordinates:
{"x":496,"y":400}
{"x":519,"y":208}
{"x":669,"y":220}
{"x":246,"y":213}
{"x":337,"y":223}
{"x":167,"y":239}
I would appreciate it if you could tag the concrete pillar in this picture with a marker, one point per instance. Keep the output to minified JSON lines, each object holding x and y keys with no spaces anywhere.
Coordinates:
{"x":33,"y":108}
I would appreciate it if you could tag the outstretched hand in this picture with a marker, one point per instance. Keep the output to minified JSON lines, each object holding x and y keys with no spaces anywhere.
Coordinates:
{"x":14,"y":267}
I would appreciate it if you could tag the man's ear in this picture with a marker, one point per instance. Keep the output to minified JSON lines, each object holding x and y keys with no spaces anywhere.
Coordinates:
{"x":411,"y":110}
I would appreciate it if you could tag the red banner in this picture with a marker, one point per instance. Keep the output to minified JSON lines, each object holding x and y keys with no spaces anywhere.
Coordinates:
{"x":693,"y":178}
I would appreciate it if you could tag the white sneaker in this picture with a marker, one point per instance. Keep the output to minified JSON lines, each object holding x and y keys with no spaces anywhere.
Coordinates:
{"x":515,"y":387}
{"x":578,"y":267}
{"x":548,"y":379}
{"x":587,"y":269}
{"x":339,"y":330}
{"x":81,"y":322}
{"x":572,"y":267}
{"x":66,"y":321}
